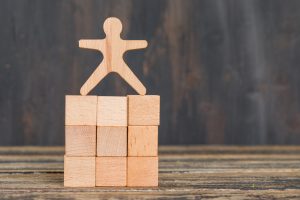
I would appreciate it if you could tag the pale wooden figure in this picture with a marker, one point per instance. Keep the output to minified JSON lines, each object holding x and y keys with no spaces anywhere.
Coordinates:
{"x":112,"y":48}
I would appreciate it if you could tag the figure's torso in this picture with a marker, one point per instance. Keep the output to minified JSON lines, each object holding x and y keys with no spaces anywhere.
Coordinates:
{"x":114,"y":48}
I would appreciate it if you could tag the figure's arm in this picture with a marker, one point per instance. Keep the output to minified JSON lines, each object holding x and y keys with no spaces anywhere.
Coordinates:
{"x":136,"y":44}
{"x":91,"y":44}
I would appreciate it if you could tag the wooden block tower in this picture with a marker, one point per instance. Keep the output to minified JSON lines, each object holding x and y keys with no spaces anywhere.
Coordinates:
{"x":110,"y":140}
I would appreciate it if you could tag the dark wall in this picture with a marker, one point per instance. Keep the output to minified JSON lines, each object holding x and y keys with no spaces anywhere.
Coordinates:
{"x":228,"y":72}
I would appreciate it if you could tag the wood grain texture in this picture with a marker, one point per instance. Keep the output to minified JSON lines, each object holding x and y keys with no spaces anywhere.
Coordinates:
{"x":80,"y":140}
{"x":142,"y":171}
{"x":111,"y":141}
{"x":81,"y":110}
{"x":79,"y":171}
{"x":227,"y":71}
{"x":111,"y":171}
{"x":143,"y":110}
{"x":112,"y":111}
{"x":142,"y":140}
{"x":190,"y":172}
{"x":113,"y":47}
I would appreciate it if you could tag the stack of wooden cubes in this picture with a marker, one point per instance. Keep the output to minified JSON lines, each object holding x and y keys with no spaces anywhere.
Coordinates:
{"x":111,"y":141}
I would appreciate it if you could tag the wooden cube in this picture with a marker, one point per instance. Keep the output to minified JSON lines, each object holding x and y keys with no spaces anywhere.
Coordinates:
{"x":142,"y":140}
{"x":143,"y":110}
{"x":79,"y":171}
{"x":81,"y":110}
{"x":111,"y":171}
{"x":112,"y":111}
{"x":142,"y":171}
{"x":80,"y":140}
{"x":112,"y":141}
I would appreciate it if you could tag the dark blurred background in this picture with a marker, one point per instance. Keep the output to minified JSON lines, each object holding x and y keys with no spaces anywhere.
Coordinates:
{"x":227,"y":71}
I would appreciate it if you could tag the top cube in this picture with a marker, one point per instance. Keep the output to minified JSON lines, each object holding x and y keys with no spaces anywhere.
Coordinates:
{"x":81,"y":110}
{"x":112,"y":111}
{"x":143,"y":110}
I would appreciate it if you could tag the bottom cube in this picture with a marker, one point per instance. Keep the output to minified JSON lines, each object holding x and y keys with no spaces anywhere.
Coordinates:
{"x":79,"y":171}
{"x":111,"y":171}
{"x":142,"y":171}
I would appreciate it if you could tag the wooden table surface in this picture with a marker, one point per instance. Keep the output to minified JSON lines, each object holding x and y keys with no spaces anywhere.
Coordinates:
{"x":193,"y":172}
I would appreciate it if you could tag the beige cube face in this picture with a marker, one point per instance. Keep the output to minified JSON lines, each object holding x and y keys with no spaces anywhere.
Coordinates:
{"x":81,"y":110}
{"x":111,"y":171}
{"x":143,"y":110}
{"x":112,"y":111}
{"x":142,"y":140}
{"x":142,"y":171}
{"x":80,"y":140}
{"x":112,"y":141}
{"x":79,"y":171}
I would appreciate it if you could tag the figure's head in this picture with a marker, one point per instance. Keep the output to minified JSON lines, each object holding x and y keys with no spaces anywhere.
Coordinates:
{"x":112,"y":25}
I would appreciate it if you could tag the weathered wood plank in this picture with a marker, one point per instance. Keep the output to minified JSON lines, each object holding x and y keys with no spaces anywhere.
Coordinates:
{"x":184,"y":172}
{"x":156,"y":194}
{"x":188,"y":149}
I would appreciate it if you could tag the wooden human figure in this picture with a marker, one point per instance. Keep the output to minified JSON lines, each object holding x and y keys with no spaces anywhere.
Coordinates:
{"x":112,"y":48}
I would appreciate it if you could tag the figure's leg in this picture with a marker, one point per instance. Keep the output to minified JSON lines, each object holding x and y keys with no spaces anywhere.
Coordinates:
{"x":126,"y":73}
{"x":99,"y":73}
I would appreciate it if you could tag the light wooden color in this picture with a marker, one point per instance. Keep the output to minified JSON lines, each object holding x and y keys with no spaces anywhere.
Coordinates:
{"x":111,"y":141}
{"x":112,"y":48}
{"x":143,"y":110}
{"x":112,"y":111}
{"x":111,"y":171}
{"x":142,"y":171}
{"x":80,"y":110}
{"x":79,"y":171}
{"x":142,"y":140}
{"x":80,"y":140}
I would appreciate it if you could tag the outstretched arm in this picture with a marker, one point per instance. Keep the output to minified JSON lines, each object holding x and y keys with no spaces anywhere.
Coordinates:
{"x":136,"y":44}
{"x":91,"y":44}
